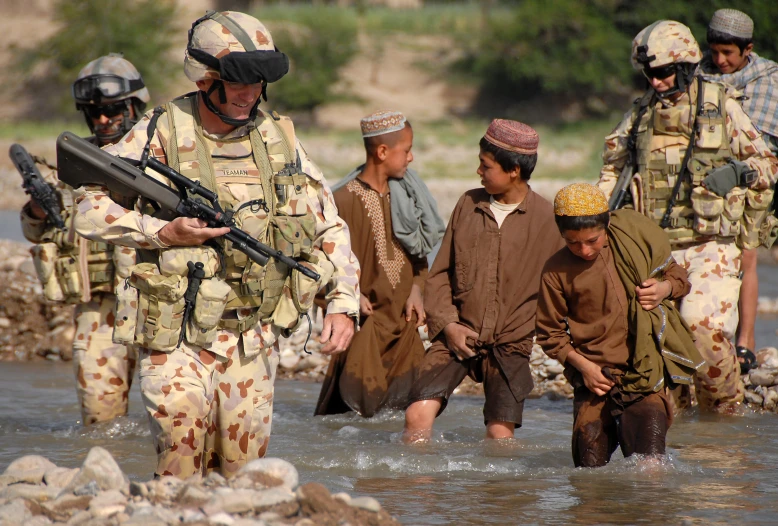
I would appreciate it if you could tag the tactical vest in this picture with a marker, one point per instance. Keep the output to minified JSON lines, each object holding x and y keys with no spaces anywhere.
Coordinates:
{"x":257,"y":176}
{"x":663,"y":137}
{"x":72,"y":268}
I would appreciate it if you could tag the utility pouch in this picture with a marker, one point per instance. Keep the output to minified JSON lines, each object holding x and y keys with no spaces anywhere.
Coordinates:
{"x":69,"y":274}
{"x":757,"y":211}
{"x":160,"y":307}
{"x":208,"y":309}
{"x":44,"y":257}
{"x":768,"y":232}
{"x":252,"y":218}
{"x":125,"y":314}
{"x":298,"y":296}
{"x":291,"y":191}
{"x":294,"y":235}
{"x":172,"y":261}
{"x":734,"y":205}
{"x":710,"y":131}
{"x":708,"y":208}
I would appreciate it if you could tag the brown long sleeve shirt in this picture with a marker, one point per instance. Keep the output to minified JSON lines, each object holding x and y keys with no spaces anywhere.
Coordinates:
{"x":588,"y":298}
{"x":486,"y":277}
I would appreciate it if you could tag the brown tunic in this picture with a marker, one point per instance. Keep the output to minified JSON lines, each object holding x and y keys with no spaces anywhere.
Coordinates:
{"x":487,"y":277}
{"x":588,"y":297}
{"x":380,"y":366}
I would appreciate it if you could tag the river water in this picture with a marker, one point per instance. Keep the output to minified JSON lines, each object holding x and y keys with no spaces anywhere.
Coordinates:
{"x":719,"y":470}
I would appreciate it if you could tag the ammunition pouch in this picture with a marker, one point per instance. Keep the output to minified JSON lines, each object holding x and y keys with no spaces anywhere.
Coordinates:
{"x":759,"y":225}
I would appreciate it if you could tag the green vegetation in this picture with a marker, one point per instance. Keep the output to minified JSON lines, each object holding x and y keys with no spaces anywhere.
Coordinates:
{"x":32,"y":130}
{"x":142,"y":29}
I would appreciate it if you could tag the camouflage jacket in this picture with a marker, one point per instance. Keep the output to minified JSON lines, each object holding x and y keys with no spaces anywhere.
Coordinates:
{"x":101,"y":218}
{"x":746,"y":144}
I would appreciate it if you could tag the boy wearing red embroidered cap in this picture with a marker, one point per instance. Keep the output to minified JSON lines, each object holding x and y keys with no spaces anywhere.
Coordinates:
{"x":605,"y":310}
{"x":480,"y":296}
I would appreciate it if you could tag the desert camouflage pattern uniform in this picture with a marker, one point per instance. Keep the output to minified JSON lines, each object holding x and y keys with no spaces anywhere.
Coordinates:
{"x":713,"y":262}
{"x":210,"y":408}
{"x":104,"y":370}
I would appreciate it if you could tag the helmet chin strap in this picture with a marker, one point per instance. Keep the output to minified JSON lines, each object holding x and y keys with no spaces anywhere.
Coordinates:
{"x":683,"y":75}
{"x":218,"y":84}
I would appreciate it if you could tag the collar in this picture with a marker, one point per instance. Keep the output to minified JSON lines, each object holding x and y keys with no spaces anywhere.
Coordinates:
{"x":482,"y":201}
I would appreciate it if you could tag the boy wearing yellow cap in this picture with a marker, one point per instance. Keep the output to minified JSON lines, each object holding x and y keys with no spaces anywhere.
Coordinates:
{"x":605,"y":311}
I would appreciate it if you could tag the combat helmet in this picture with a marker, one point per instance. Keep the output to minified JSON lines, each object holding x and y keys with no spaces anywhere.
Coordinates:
{"x":666,"y":47}
{"x":233,"y":47}
{"x":110,"y":81}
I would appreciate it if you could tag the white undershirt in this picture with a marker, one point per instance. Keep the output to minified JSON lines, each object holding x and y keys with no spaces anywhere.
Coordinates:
{"x":501,"y":210}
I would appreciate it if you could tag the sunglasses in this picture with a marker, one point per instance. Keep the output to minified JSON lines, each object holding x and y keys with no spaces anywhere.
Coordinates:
{"x":659,"y":73}
{"x":109,"y":110}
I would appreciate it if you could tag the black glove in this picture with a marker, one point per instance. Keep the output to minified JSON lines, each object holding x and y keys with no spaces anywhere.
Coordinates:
{"x":724,"y":178}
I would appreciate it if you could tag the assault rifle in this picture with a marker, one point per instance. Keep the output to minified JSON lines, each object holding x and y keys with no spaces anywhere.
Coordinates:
{"x":38,"y":189}
{"x":82,"y":163}
{"x":621,"y":190}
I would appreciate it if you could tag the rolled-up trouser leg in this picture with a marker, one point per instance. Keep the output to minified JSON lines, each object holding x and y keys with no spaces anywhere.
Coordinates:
{"x":103,"y":369}
{"x":710,"y":309}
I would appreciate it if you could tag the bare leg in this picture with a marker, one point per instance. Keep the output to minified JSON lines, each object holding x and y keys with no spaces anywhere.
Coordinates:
{"x":749,"y":299}
{"x":419,"y":418}
{"x":497,"y":429}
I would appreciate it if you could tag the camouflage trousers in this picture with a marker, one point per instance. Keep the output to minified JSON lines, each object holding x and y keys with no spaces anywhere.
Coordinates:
{"x":103,"y":369}
{"x":207,"y":412}
{"x":711,"y":311}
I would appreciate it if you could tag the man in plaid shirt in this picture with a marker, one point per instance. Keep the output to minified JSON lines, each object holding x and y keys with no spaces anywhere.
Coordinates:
{"x":731,"y":59}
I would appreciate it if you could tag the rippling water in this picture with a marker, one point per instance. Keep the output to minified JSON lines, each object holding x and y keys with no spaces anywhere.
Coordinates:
{"x":719,"y":470}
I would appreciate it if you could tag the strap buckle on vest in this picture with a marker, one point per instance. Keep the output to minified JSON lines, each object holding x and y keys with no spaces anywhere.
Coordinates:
{"x":240,"y":325}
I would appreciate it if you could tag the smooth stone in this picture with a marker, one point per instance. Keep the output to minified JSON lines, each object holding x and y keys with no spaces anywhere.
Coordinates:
{"x":150,"y":513}
{"x":753,"y":398}
{"x":767,"y":357}
{"x":214,"y":479}
{"x":234,"y":501}
{"x":763,"y":376}
{"x":60,"y":477}
{"x":15,"y":512}
{"x":343,"y":497}
{"x":66,"y":506}
{"x":108,"y":498}
{"x":275,"y":467}
{"x":166,"y":488}
{"x":366,"y":503}
{"x":29,"y":492}
{"x":38,"y":520}
{"x":100,"y":466}
{"x":90,"y":488}
{"x":30,"y":468}
{"x":193,"y":495}
{"x":770,"y":400}
{"x":107,"y":511}
{"x":554,"y":368}
{"x":189,"y":516}
{"x":315,"y":498}
{"x":221,"y":518}
{"x":82,"y":517}
{"x":272,"y":497}
{"x":305,"y":522}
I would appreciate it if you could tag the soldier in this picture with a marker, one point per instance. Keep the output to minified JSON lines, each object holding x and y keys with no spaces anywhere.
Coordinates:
{"x":111,"y":94}
{"x":711,"y":198}
{"x":731,"y":59}
{"x":207,"y":379}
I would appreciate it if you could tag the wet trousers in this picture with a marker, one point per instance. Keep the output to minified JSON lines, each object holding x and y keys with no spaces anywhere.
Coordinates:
{"x":207,"y":412}
{"x":711,"y":311}
{"x":641,"y":428}
{"x":103,"y":369}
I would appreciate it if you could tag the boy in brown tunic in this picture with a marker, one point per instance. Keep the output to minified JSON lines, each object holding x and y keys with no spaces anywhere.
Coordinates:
{"x":379,"y":367}
{"x":481,"y":293}
{"x":614,"y":280}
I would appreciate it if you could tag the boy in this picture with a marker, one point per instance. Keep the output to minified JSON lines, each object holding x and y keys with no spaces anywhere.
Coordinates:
{"x":614,"y":279}
{"x":481,"y":293}
{"x":380,"y":366}
{"x":731,"y":59}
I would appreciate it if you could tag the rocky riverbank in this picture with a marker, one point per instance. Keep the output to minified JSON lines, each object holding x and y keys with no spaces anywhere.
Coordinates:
{"x":265,"y":492}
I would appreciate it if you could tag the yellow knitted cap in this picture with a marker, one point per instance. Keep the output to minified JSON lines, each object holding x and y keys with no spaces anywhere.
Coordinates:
{"x":580,"y":199}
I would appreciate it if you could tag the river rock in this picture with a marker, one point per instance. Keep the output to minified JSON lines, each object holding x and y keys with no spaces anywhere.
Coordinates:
{"x":763,"y":376}
{"x":29,"y":492}
{"x":754,"y":398}
{"x":231,"y":501}
{"x":366,"y":503}
{"x":30,"y":469}
{"x":767,"y":357}
{"x":15,"y":512}
{"x":108,"y":500}
{"x":165,"y":489}
{"x":193,"y":495}
{"x":315,"y":498}
{"x":38,"y":520}
{"x":275,"y":467}
{"x":101,"y":468}
{"x":770,"y":400}
{"x":66,"y":506}
{"x":288,"y":359}
{"x":138,"y":489}
{"x":222,"y":519}
{"x":273,"y":497}
{"x":60,"y":477}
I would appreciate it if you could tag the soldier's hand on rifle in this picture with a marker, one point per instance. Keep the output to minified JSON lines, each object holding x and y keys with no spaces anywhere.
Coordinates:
{"x":336,"y":333}
{"x":36,"y":211}
{"x":188,"y":231}
{"x":456,"y":340}
{"x":651,"y":293}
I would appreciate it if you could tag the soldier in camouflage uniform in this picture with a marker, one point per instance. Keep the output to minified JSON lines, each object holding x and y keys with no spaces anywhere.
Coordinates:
{"x":207,"y":380}
{"x":111,"y":94}
{"x":722,"y":203}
